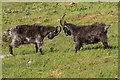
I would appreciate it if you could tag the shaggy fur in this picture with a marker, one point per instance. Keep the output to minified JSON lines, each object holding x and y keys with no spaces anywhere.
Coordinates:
{"x":87,"y":34}
{"x":24,"y":34}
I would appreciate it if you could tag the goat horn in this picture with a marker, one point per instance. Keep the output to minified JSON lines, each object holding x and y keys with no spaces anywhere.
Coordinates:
{"x":57,"y":27}
{"x":61,"y":21}
{"x":59,"y":30}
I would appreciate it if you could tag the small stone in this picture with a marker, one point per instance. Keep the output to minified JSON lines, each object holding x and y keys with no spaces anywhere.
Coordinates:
{"x":71,"y":3}
{"x":34,"y":7}
{"x":40,"y":9}
{"x":29,"y":62}
{"x":39,"y":17}
{"x":58,"y":20}
{"x":14,"y":14}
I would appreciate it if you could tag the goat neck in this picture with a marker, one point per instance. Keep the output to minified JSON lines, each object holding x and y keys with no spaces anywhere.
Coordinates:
{"x":73,"y":28}
{"x":47,"y":30}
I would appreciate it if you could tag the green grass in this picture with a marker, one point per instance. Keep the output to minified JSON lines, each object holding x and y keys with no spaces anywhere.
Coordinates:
{"x":59,"y":59}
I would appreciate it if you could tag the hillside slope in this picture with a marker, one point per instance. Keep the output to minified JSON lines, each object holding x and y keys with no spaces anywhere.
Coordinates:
{"x":59,"y":59}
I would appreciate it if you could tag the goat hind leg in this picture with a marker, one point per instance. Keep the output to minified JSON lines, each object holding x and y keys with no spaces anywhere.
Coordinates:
{"x":36,"y":46}
{"x":40,"y":48}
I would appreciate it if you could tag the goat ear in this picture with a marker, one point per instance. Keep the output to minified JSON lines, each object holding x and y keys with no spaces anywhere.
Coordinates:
{"x":65,"y":22}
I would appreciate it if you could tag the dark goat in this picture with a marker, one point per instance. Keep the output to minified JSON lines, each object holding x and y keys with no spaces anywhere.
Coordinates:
{"x":87,"y":34}
{"x":24,"y":34}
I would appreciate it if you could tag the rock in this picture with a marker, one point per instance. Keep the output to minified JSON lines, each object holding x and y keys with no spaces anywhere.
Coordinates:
{"x":34,"y":7}
{"x":40,"y":9}
{"x":71,"y":3}
{"x":4,"y":55}
{"x":14,"y":14}
{"x":29,"y":62}
{"x":58,"y":20}
{"x":39,"y":17}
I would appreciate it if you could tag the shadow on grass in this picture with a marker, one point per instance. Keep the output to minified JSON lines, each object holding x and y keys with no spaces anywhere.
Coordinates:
{"x":99,"y":47}
{"x":25,"y":53}
{"x":44,"y":52}
{"x":52,"y":50}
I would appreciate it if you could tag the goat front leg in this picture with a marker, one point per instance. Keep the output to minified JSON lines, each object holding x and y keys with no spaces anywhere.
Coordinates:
{"x":40,"y":47}
{"x":13,"y":44}
{"x":10,"y":49}
{"x":105,"y":45}
{"x":36,"y":46}
{"x":103,"y":39}
{"x":78,"y":45}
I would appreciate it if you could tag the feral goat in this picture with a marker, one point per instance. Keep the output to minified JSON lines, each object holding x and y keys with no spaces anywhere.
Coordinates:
{"x":24,"y":34}
{"x":87,"y":34}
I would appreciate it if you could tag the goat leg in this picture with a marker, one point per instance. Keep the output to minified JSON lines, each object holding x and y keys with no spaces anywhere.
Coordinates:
{"x":78,"y":45}
{"x":36,"y":46}
{"x":105,"y":45}
{"x":10,"y":50}
{"x":75,"y":49}
{"x":40,"y":48}
{"x":103,"y":38}
{"x":41,"y":51}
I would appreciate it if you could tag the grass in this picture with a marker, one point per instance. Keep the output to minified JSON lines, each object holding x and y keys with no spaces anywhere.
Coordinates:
{"x":59,"y":59}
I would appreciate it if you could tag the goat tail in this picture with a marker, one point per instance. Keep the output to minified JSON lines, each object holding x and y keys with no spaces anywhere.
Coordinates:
{"x":5,"y":35}
{"x":106,"y":27}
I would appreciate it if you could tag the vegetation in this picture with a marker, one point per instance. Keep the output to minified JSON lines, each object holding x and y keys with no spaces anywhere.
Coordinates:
{"x":59,"y":59}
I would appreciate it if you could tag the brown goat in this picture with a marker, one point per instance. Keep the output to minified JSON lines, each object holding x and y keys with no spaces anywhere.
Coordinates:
{"x":87,"y":34}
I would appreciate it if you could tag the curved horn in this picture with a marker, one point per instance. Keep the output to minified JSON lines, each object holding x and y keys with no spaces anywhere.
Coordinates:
{"x":58,"y":30}
{"x":62,"y":21}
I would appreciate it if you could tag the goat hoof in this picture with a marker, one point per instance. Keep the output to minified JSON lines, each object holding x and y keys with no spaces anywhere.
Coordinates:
{"x":41,"y":53}
{"x":105,"y":48}
{"x":12,"y":55}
